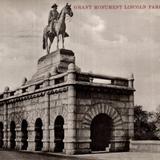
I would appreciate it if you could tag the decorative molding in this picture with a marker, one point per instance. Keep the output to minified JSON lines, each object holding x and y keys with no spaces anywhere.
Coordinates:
{"x":34,"y":95}
{"x":58,"y":90}
{"x":102,"y":108}
{"x":26,"y":97}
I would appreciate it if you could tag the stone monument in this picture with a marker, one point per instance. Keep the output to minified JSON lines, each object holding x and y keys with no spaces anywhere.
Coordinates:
{"x":54,"y":63}
{"x":62,"y":109}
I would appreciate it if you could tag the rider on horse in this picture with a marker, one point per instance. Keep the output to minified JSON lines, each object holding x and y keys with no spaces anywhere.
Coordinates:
{"x":56,"y":26}
{"x":53,"y":17}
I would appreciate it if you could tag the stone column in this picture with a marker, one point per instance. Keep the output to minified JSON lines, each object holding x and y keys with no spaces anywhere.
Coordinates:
{"x":5,"y":125}
{"x":31,"y":138}
{"x":51,"y":142}
{"x":70,"y":126}
{"x":47,"y":117}
{"x":118,"y":140}
{"x":8,"y":137}
{"x":131,"y":108}
{"x":18,"y":137}
{"x":83,"y":140}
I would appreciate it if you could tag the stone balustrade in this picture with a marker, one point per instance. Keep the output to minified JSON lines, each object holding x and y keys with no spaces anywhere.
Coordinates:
{"x":64,"y":77}
{"x":110,"y":80}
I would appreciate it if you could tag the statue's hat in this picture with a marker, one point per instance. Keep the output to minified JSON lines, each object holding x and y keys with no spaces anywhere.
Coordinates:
{"x":54,"y":5}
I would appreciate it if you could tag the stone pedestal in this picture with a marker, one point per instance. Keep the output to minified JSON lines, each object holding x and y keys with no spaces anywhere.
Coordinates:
{"x":56,"y":61}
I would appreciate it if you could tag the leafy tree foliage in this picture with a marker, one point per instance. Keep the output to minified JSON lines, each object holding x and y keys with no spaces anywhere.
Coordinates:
{"x":144,"y":124}
{"x":157,"y":121}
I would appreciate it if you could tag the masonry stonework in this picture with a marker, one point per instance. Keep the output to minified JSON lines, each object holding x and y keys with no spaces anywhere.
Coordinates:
{"x":62,"y":108}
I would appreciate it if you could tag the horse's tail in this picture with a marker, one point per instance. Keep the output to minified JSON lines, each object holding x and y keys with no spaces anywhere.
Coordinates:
{"x":44,"y":42}
{"x":44,"y":38}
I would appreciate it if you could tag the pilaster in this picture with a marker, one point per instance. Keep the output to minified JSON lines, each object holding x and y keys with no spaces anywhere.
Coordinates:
{"x":31,"y":138}
{"x":18,"y":137}
{"x":70,"y":128}
{"x":5,"y":127}
{"x":46,"y":135}
{"x":51,"y":141}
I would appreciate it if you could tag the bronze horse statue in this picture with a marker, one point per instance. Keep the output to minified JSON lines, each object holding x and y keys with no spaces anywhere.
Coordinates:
{"x":59,"y":28}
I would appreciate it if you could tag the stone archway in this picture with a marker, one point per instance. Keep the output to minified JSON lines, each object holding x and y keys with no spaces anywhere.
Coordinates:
{"x":24,"y":131}
{"x":101,"y":132}
{"x":13,"y":135}
{"x":1,"y":134}
{"x":59,"y":134}
{"x":38,"y":135}
{"x":102,"y":108}
{"x":113,"y":117}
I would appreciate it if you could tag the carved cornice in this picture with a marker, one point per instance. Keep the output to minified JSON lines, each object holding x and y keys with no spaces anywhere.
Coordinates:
{"x":58,"y":90}
{"x":25,"y":97}
{"x":34,"y":95}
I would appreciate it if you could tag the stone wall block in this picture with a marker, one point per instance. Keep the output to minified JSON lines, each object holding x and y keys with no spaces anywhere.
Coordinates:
{"x":83,"y":133}
{"x":131,"y":98}
{"x":125,"y":118}
{"x":131,"y":112}
{"x":131,"y":119}
{"x":124,"y":98}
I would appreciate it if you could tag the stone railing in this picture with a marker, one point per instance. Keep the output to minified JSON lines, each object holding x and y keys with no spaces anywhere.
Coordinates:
{"x":109,"y":80}
{"x":145,"y":146}
{"x":37,"y":86}
{"x":71,"y":76}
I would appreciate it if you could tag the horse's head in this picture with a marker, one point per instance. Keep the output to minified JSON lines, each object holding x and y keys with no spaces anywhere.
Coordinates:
{"x":68,"y":10}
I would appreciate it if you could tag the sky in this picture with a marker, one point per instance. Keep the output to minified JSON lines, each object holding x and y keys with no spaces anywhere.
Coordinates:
{"x":115,"y":42}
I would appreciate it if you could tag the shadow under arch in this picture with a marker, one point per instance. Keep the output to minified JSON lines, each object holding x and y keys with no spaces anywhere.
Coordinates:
{"x":13,"y":135}
{"x":59,"y":134}
{"x":1,"y":134}
{"x":24,"y":131}
{"x":38,"y":135}
{"x":101,"y":132}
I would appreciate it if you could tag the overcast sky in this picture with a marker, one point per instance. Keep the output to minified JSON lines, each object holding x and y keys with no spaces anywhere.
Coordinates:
{"x":111,"y":42}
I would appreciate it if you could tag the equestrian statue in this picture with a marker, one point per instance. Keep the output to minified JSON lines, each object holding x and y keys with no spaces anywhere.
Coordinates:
{"x":56,"y":26}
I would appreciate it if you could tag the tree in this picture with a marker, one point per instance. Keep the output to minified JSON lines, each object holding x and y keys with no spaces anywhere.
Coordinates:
{"x":144,"y":125}
{"x":157,"y":121}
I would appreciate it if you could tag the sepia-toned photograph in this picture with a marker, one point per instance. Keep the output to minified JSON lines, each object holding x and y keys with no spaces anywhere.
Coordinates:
{"x":79,"y":79}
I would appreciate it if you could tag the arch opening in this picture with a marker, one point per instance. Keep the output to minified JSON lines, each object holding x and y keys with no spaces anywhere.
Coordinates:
{"x":24,"y":131}
{"x":59,"y":134}
{"x":101,"y":132}
{"x":13,"y":135}
{"x":1,"y":135}
{"x":38,"y":135}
